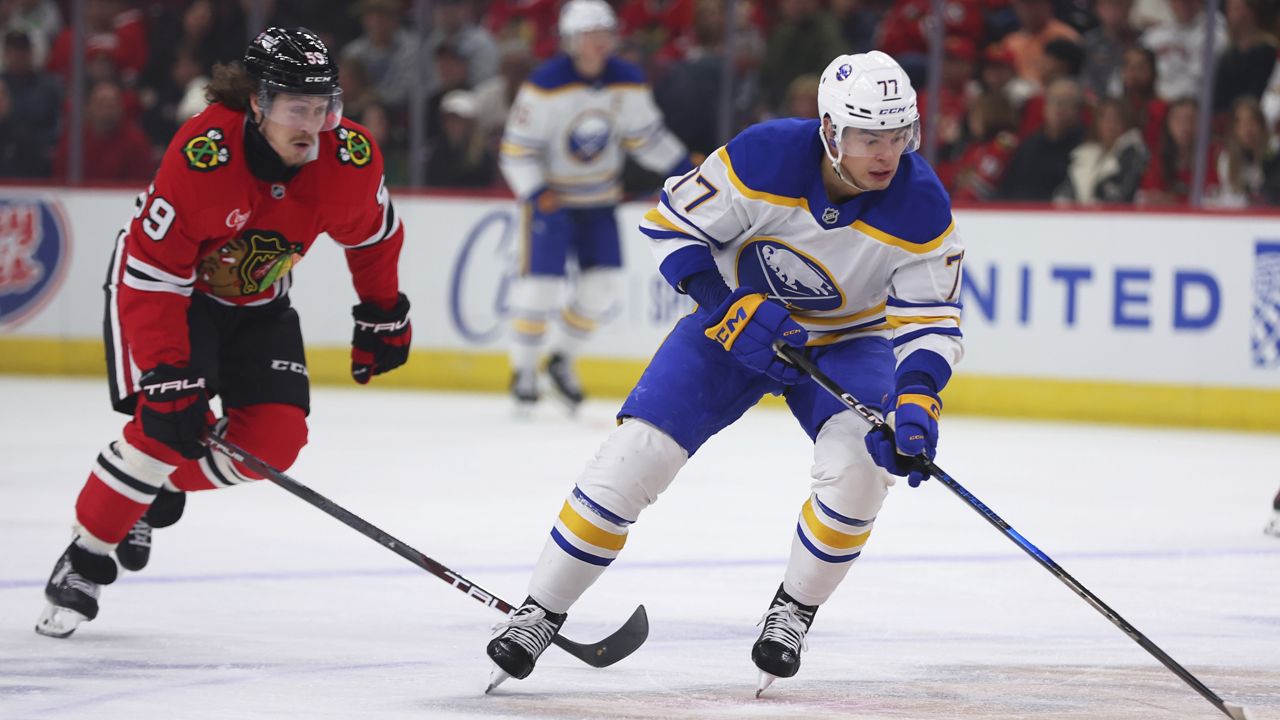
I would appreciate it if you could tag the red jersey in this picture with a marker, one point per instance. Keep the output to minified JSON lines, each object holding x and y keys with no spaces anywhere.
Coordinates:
{"x":208,"y":225}
{"x":976,"y":174}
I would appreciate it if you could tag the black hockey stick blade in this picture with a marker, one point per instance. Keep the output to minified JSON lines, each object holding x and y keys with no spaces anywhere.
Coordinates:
{"x":796,"y":357}
{"x":624,"y":641}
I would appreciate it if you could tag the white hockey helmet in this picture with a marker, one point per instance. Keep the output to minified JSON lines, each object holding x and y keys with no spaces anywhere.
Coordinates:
{"x":580,"y":16}
{"x":871,"y":106}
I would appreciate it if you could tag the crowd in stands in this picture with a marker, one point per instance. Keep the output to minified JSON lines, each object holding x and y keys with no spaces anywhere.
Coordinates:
{"x":1067,"y":101}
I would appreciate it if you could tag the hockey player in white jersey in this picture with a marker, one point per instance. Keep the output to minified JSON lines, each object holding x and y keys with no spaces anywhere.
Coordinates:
{"x":570,"y":129}
{"x":828,"y":234}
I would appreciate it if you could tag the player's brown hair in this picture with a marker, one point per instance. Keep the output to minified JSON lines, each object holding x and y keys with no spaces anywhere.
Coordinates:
{"x":231,"y":85}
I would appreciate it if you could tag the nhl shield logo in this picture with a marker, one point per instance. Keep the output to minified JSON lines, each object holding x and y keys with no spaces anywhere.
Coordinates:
{"x":34,"y":246}
{"x":788,"y":275}
{"x":830,"y":215}
{"x":1266,"y":305}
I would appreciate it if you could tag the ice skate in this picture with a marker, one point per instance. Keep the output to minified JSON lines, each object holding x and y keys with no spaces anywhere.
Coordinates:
{"x":564,"y":380}
{"x":1273,"y":526}
{"x":135,"y":551}
{"x":524,"y":389}
{"x":520,"y":641}
{"x":73,"y":591}
{"x":777,"y":651}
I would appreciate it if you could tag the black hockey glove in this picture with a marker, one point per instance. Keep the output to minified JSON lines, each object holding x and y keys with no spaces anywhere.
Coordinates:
{"x":174,"y":408}
{"x":381,"y":339}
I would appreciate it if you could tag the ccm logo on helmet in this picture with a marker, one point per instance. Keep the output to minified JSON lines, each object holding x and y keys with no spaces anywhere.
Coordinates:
{"x":893,"y":111}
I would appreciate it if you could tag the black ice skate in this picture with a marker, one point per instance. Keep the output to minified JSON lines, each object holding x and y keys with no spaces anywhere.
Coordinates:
{"x":564,"y":380}
{"x":135,"y":551}
{"x":524,"y":388}
{"x":777,"y":651}
{"x":73,"y":591}
{"x":520,"y":641}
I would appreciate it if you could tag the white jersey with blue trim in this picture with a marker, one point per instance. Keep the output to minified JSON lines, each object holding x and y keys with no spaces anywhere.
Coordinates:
{"x":884,"y":263}
{"x":571,"y":134}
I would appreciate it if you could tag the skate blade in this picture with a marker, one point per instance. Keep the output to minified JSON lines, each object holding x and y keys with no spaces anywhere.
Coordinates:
{"x":58,"y":622}
{"x":766,"y":680}
{"x":496,"y":678}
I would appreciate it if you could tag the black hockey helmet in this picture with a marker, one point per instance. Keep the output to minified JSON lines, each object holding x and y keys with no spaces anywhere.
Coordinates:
{"x":292,"y":60}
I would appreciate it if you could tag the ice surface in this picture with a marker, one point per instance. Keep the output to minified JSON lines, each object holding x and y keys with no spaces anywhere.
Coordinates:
{"x":257,"y":605}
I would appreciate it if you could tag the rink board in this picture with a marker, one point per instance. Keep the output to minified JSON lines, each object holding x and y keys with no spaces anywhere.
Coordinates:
{"x":1151,"y":318}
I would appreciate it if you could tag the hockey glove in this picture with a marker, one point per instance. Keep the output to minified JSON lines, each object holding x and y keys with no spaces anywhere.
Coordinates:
{"x":897,"y":446}
{"x":747,"y":324}
{"x":174,"y":408}
{"x":381,"y":339}
{"x":547,"y":217}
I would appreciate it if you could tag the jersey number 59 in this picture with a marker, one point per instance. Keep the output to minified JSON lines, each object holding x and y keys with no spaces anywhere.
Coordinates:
{"x":159,"y":214}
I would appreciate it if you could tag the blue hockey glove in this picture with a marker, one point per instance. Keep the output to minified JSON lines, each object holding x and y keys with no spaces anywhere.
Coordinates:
{"x":914,"y":434}
{"x":747,"y":324}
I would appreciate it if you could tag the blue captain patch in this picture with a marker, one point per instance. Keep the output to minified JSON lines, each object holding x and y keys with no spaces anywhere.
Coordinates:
{"x":788,"y":275}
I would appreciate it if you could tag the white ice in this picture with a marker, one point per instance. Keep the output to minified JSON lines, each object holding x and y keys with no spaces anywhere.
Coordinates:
{"x":257,"y":605}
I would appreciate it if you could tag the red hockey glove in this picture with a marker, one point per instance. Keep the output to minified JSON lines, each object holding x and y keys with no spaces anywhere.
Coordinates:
{"x":174,"y":408}
{"x":381,"y":339}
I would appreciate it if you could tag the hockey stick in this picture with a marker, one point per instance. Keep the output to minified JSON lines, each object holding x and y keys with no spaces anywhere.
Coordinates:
{"x":624,"y":641}
{"x":795,"y":357}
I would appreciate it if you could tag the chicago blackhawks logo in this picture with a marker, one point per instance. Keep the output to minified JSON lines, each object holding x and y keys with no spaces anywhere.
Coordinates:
{"x":354,"y":147}
{"x":249,"y":264}
{"x":206,"y":152}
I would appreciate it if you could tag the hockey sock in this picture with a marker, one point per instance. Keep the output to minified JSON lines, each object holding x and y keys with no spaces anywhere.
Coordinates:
{"x":824,"y":547}
{"x":119,"y":490}
{"x":584,"y":541}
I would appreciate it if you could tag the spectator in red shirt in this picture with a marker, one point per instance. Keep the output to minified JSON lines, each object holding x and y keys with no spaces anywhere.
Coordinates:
{"x":975,"y":176}
{"x":114,"y":147}
{"x":1138,"y":84}
{"x":959,"y":55}
{"x":904,"y":30}
{"x":111,"y":27}
{"x":533,"y":22}
{"x":658,"y":26}
{"x":1168,"y":178}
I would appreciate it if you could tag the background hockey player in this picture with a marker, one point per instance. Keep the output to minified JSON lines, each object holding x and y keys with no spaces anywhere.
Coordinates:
{"x":198,"y":305}
{"x":1273,"y":525}
{"x":566,"y":140}
{"x":828,"y":234}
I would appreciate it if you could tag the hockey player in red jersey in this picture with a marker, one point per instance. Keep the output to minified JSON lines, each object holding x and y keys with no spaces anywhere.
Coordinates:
{"x":198,"y":305}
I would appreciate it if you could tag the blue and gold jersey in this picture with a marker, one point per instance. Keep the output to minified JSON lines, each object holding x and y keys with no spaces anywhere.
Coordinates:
{"x":885,"y":262}
{"x":572,"y":134}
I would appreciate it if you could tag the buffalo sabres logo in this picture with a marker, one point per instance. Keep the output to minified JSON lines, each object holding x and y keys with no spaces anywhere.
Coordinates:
{"x":589,"y":135}
{"x":787,"y":275}
{"x":844,"y":71}
{"x":353,"y":147}
{"x":206,"y":152}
